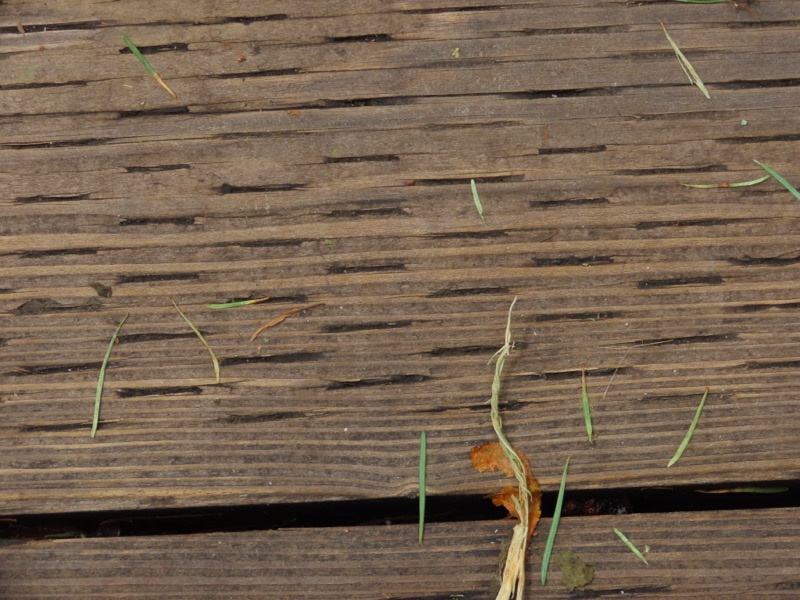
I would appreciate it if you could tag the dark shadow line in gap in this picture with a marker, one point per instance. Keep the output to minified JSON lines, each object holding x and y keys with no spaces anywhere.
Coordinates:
{"x":394,"y":511}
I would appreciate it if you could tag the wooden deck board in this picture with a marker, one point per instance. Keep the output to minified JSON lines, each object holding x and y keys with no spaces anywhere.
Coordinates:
{"x":691,"y":555}
{"x":326,"y":167}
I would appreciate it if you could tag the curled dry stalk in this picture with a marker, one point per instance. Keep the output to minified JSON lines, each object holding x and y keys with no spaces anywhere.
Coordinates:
{"x":513,"y":583}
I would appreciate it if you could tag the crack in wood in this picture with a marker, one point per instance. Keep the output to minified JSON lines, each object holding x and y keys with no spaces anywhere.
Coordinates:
{"x":352,"y":327}
{"x":377,"y":381}
{"x":156,"y":277}
{"x":158,"y":391}
{"x":572,"y":261}
{"x":344,"y":269}
{"x":578,"y":150}
{"x":678,"y":281}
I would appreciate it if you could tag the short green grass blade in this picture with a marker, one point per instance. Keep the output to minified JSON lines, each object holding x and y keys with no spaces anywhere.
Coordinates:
{"x":132,"y":47}
{"x":709,"y":186}
{"x":551,"y":536}
{"x":687,"y":438}
{"x":476,"y":198}
{"x":236,"y":304}
{"x":423,"y":461}
{"x":630,"y":546}
{"x":587,"y":411}
{"x":202,"y":339}
{"x":781,"y":180}
{"x":98,"y":397}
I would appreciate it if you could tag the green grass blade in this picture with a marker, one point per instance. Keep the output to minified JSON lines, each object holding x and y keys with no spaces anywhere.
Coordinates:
{"x":702,"y":1}
{"x":423,"y":461}
{"x":587,"y":411}
{"x":687,"y":67}
{"x":98,"y":397}
{"x":781,"y":180}
{"x":709,"y":186}
{"x":202,"y":339}
{"x":132,"y":47}
{"x":551,"y":536}
{"x":236,"y":304}
{"x":630,"y":546}
{"x":687,"y":438}
{"x":476,"y":198}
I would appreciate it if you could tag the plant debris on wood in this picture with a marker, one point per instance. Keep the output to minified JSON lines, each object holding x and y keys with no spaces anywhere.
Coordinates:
{"x":202,"y":339}
{"x":236,"y":303}
{"x":687,"y":67}
{"x":551,"y":535}
{"x":688,"y":437}
{"x":631,"y":546}
{"x":575,"y":574}
{"x":98,"y":397}
{"x":147,"y":65}
{"x":522,"y":502}
{"x":792,"y":190}
{"x":587,"y":410}
{"x":281,"y":318}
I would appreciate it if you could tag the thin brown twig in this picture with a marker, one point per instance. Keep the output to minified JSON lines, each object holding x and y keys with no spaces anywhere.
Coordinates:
{"x":281,"y":318}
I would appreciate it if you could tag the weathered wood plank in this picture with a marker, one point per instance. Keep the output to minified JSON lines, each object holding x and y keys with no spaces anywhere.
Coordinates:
{"x":711,"y":555}
{"x":328,"y":170}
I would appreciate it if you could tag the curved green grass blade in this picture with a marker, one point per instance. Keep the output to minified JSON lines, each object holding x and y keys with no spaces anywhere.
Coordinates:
{"x":423,"y":460}
{"x":630,"y":546}
{"x":587,"y":411}
{"x":781,"y":180}
{"x":202,"y":339}
{"x":551,"y":536}
{"x":687,"y":438}
{"x":709,"y":186}
{"x":98,"y":397}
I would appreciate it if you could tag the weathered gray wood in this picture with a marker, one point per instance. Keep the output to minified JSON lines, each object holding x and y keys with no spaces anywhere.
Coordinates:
{"x":732,"y":554}
{"x":337,"y":171}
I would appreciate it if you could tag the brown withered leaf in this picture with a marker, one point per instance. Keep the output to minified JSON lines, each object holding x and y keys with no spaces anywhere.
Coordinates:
{"x":490,"y":457}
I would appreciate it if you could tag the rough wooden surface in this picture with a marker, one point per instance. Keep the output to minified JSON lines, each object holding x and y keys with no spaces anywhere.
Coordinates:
{"x":692,"y":555}
{"x":322,"y":152}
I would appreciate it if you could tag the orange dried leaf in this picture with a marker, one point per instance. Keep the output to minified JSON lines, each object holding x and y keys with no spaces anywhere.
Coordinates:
{"x":490,"y":457}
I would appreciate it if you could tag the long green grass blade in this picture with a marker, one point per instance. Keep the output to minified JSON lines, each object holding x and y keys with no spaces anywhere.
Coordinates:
{"x":551,"y":536}
{"x":98,"y":397}
{"x":630,"y":546}
{"x":587,"y":411}
{"x":476,"y":198}
{"x":202,"y":339}
{"x":687,"y":67}
{"x":687,"y":438}
{"x":423,"y":461}
{"x":781,"y":180}
{"x":709,"y":186}
{"x":236,"y":304}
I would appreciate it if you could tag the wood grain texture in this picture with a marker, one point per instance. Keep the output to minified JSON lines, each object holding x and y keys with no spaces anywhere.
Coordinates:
{"x":691,"y":555}
{"x":332,"y":164}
